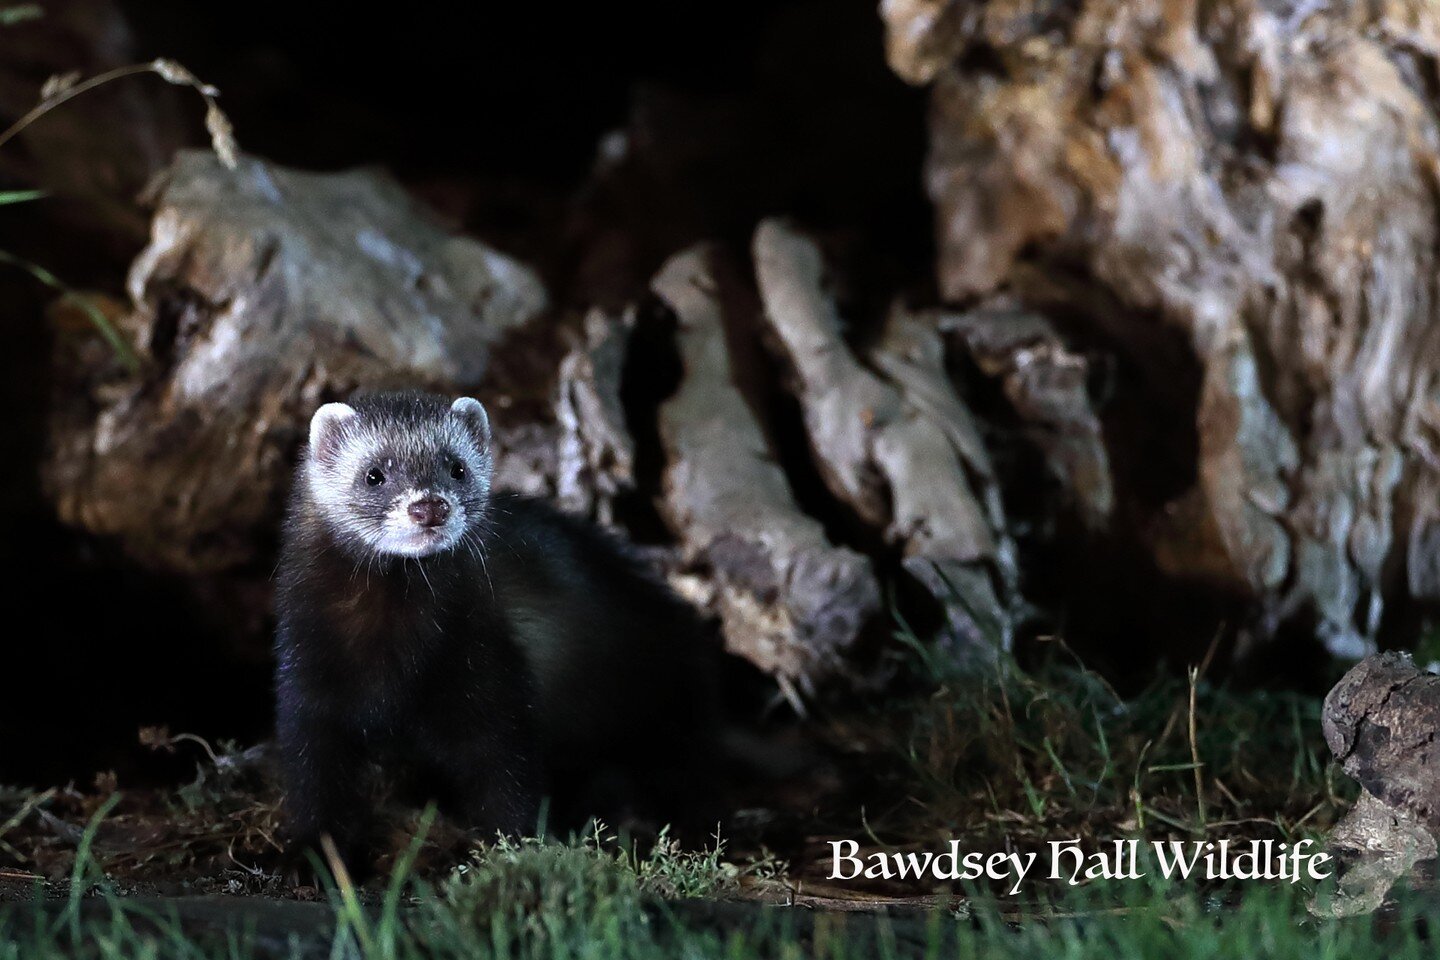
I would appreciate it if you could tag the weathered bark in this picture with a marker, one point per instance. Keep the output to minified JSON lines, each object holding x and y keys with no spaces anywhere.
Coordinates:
{"x":1382,"y":722}
{"x":1045,"y":383}
{"x":560,"y":430}
{"x":935,"y":495}
{"x":263,"y":293}
{"x":1259,"y":181}
{"x":790,"y":601}
{"x":899,"y":452}
{"x":596,"y":451}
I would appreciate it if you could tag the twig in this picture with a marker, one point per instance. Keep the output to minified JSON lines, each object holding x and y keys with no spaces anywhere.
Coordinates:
{"x":1195,"y":751}
{"x":61,"y":90}
{"x":214,"y":759}
{"x":222,"y":136}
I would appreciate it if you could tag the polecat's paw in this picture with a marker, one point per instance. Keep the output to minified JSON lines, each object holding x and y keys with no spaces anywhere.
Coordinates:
{"x":322,"y":862}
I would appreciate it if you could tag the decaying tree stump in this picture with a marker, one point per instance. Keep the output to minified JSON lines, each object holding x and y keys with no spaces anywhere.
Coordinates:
{"x":1382,"y":722}
{"x":1242,"y":198}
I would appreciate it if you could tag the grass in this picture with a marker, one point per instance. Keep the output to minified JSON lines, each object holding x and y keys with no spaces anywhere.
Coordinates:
{"x":1002,"y":760}
{"x":550,"y":900}
{"x":1006,"y":756}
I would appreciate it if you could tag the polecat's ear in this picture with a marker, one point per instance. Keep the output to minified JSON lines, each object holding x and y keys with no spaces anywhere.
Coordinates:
{"x":327,"y":429}
{"x":472,"y":412}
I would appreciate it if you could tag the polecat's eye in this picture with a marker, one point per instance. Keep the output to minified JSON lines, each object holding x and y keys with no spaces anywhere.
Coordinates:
{"x":375,"y":477}
{"x":457,"y":470}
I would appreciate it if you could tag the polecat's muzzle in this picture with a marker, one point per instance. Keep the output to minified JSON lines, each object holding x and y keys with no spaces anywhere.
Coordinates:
{"x":431,"y":512}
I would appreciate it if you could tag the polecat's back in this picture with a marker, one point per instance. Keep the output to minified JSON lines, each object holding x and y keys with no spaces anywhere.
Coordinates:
{"x":617,"y":658}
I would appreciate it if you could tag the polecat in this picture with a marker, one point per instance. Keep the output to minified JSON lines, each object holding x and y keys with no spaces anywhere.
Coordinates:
{"x":496,"y":647}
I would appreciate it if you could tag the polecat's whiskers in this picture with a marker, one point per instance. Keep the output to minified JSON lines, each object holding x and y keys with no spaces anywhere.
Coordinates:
{"x":476,"y":547}
{"x":420,"y":565}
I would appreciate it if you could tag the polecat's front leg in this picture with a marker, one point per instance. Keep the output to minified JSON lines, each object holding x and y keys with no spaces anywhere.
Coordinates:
{"x":324,"y":777}
{"x":477,"y":738}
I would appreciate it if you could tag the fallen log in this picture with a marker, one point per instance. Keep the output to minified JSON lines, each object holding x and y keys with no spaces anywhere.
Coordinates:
{"x":789,"y":600}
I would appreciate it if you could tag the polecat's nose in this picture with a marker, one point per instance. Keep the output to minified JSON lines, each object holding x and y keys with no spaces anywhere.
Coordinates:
{"x":429,"y":513}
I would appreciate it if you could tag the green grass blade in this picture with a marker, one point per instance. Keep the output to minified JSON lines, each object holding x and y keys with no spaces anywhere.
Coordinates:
{"x":19,"y":196}
{"x":98,"y":320}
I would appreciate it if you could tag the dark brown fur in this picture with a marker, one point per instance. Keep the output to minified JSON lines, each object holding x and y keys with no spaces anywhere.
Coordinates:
{"x":545,"y":662}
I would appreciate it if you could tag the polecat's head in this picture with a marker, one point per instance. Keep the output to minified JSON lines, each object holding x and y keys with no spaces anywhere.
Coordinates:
{"x":403,"y":474}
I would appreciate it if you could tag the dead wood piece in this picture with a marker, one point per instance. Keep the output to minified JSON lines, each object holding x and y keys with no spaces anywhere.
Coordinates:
{"x":1378,"y":845}
{"x":922,"y":36}
{"x":596,"y":453}
{"x":560,"y":425}
{"x":901,"y":452}
{"x":1382,"y":722}
{"x":1046,"y":384}
{"x":527,"y":458}
{"x":790,"y":601}
{"x":1258,"y":185}
{"x":263,"y":293}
